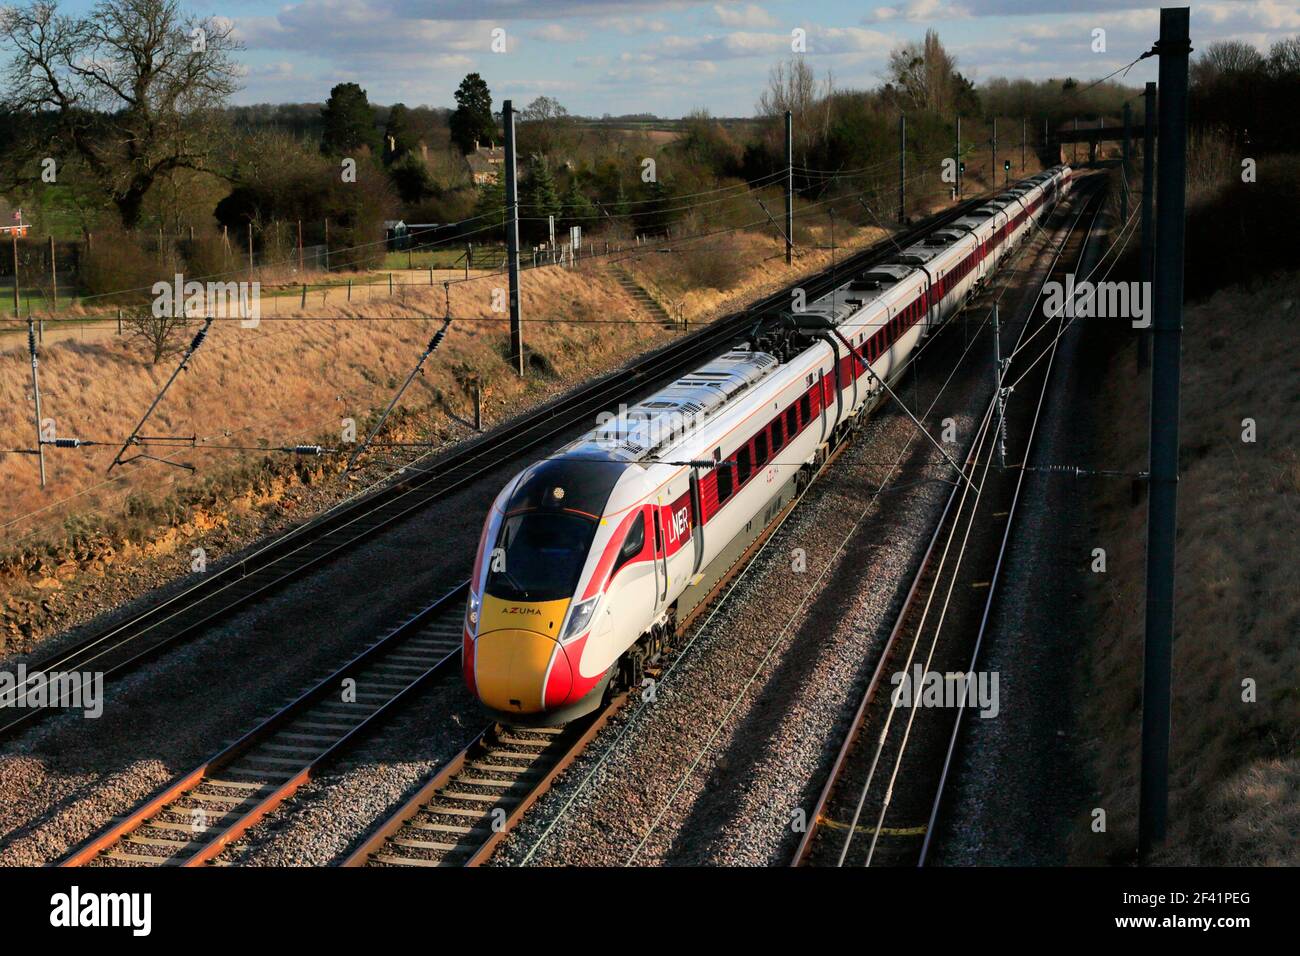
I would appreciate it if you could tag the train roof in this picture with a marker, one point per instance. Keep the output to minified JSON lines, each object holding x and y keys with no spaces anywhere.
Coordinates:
{"x":642,"y":432}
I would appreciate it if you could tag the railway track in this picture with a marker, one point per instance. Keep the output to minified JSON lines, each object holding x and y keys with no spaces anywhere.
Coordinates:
{"x":866,"y":813}
{"x":460,"y":814}
{"x":191,"y":821}
{"x":197,"y":816}
{"x":220,"y":592}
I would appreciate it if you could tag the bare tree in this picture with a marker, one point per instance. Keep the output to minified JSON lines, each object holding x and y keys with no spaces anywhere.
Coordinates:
{"x":158,"y":331}
{"x":793,"y":86}
{"x":1284,"y":57}
{"x":1226,"y":56}
{"x":130,"y":90}
{"x":546,"y":124}
{"x":924,"y":72}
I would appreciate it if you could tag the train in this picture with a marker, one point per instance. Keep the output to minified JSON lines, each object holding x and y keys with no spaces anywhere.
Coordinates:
{"x":591,"y":556}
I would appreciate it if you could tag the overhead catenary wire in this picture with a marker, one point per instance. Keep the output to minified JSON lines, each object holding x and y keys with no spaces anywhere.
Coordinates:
{"x":983,"y":434}
{"x":703,"y":629}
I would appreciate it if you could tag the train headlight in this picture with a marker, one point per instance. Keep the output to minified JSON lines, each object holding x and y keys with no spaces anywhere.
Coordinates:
{"x":472,"y":614}
{"x":580,"y":618}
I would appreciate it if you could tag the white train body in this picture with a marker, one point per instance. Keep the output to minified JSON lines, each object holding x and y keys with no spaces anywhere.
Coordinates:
{"x":587,"y":552}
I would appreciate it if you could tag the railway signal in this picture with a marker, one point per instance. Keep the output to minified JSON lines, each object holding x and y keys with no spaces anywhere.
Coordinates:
{"x":512,"y":238}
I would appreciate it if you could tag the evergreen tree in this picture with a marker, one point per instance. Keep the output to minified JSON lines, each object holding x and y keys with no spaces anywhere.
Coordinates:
{"x":538,"y":200}
{"x":399,"y":139}
{"x":578,"y":209}
{"x":621,"y":206}
{"x":349,"y":122}
{"x":472,"y":119}
{"x":411,"y":179}
{"x":491,"y":206}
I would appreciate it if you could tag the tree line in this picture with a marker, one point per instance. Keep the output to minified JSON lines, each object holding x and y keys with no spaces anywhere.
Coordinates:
{"x":129,"y":104}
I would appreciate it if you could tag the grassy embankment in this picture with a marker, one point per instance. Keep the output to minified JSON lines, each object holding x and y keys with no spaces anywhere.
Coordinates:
{"x":1235,"y":773}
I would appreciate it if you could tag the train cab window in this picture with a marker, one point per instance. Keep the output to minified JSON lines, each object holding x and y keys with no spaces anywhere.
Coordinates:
{"x":632,"y":544}
{"x":544,"y":555}
{"x":792,"y":420}
{"x":659,"y":539}
{"x":723,"y":471}
{"x":778,"y":436}
{"x":743,"y":466}
{"x":760,"y":450}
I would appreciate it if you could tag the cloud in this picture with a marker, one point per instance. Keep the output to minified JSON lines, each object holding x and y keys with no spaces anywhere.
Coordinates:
{"x":743,"y":44}
{"x":927,"y":10}
{"x":558,"y":33}
{"x":632,"y":26}
{"x":749,"y":15}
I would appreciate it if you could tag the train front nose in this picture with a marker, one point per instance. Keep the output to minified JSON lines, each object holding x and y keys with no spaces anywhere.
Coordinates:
{"x":519,"y":665}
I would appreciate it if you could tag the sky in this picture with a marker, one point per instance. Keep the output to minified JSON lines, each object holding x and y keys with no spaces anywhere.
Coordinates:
{"x":672,"y":56}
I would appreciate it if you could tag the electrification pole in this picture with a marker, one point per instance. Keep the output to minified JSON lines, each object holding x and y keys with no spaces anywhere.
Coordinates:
{"x":1162,"y":509}
{"x":993,"y":156}
{"x":1148,"y":211}
{"x":512,"y":238}
{"x":1123,"y":192}
{"x":902,"y":168}
{"x":789,"y":187}
{"x":18,"y":308}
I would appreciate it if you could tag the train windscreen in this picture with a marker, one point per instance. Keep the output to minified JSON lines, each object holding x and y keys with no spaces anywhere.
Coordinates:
{"x":539,"y":556}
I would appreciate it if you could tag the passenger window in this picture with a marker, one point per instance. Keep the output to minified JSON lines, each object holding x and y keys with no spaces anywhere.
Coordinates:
{"x":778,"y":439}
{"x":792,"y":420}
{"x":724,"y":481}
{"x":805,"y":407}
{"x":633,"y":543}
{"x":760,"y":450}
{"x":743,"y":467}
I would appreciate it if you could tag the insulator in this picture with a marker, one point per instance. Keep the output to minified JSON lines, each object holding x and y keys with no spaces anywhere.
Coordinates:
{"x":198,"y":339}
{"x":307,"y":450}
{"x":31,"y":340}
{"x":66,"y":443}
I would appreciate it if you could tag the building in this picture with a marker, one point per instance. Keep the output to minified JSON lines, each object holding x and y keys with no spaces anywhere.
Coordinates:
{"x":485,"y":163}
{"x":12,"y":222}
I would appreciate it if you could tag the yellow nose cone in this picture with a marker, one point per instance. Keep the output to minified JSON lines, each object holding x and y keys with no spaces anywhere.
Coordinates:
{"x":510,"y":670}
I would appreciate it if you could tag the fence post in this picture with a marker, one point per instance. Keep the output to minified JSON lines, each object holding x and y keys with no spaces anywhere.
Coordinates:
{"x":54,"y":275}
{"x":349,"y":290}
{"x":304,"y":296}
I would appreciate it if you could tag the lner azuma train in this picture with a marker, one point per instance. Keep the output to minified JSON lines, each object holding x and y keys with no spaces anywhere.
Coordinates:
{"x":589,"y":557}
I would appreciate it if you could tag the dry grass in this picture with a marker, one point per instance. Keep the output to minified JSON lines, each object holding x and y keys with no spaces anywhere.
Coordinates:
{"x":1235,"y":775}
{"x":286,"y":381}
{"x":681,"y":286}
{"x":290,"y":381}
